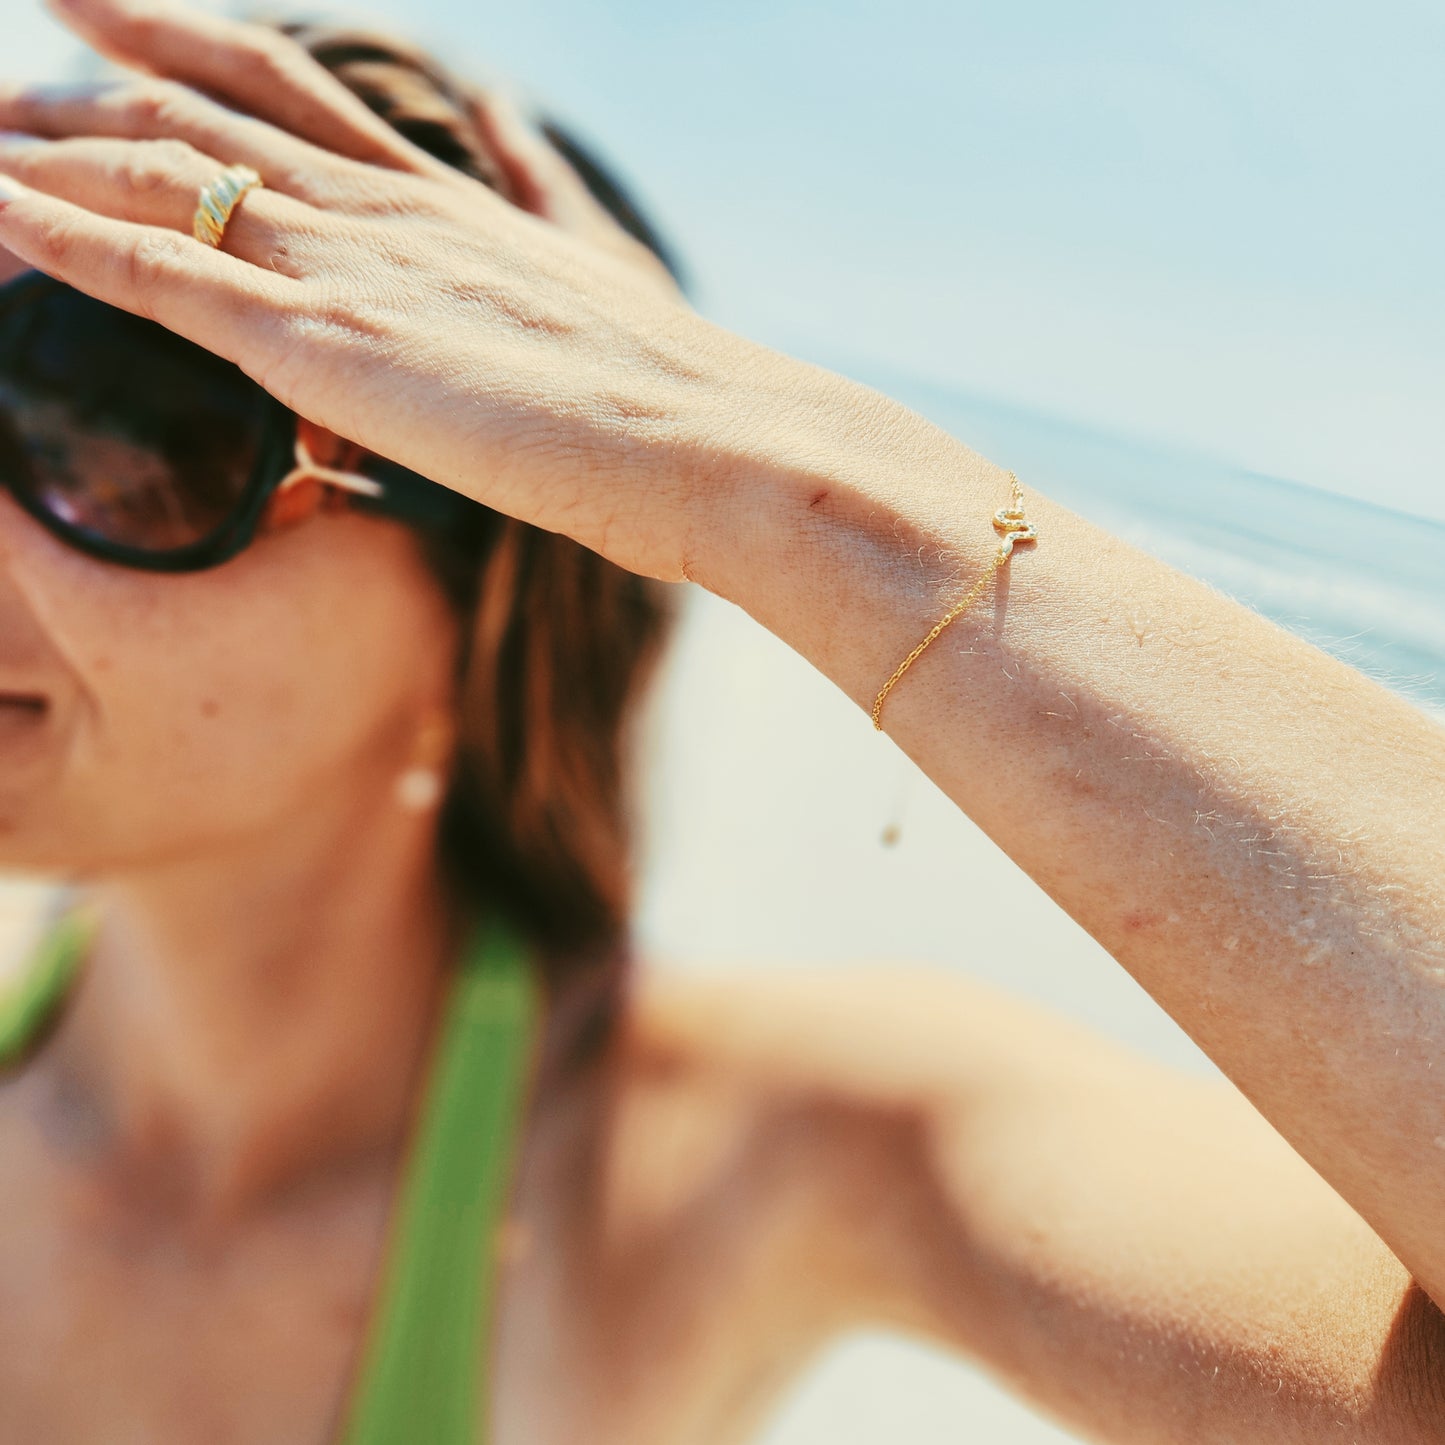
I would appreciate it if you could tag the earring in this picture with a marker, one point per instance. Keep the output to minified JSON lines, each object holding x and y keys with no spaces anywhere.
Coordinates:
{"x":420,"y":786}
{"x":419,"y":789}
{"x":893,"y":830}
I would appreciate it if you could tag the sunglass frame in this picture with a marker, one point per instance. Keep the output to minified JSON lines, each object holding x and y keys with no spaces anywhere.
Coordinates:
{"x":405,"y":495}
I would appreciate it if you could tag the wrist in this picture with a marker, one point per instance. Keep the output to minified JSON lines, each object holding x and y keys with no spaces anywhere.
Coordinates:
{"x":828,"y":507}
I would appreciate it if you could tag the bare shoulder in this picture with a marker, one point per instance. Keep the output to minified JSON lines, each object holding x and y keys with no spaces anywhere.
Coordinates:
{"x":800,"y":1106}
{"x":805,"y":1080}
{"x":1120,"y":1241}
{"x":870,"y":1035}
{"x":745,"y":1104}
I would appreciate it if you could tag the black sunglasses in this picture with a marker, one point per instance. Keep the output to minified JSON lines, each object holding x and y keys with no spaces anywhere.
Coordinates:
{"x":139,"y":447}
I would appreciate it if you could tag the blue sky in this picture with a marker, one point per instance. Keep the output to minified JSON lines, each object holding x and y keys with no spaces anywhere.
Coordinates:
{"x":1219,"y":226}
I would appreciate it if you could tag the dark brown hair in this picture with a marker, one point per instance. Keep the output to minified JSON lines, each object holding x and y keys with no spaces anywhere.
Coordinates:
{"x":559,"y":642}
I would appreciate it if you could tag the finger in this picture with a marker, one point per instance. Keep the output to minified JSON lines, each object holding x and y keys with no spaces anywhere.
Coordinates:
{"x":250,"y":67}
{"x":233,"y":309}
{"x":157,"y":110}
{"x":158,"y":183}
{"x":545,"y":183}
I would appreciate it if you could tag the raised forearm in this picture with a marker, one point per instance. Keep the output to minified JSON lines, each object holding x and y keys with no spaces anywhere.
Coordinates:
{"x":1254,"y":830}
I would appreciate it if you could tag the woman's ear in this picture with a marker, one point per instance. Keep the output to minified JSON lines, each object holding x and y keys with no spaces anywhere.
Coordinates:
{"x":543,"y":182}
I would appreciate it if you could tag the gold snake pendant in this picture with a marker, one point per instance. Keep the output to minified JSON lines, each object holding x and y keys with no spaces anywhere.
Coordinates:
{"x":1012,"y":527}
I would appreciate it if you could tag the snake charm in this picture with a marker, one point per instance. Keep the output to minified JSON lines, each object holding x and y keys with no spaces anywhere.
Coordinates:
{"x":1012,"y":527}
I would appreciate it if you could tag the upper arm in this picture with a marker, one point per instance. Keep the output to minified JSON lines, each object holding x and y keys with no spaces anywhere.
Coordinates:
{"x":1136,"y":1251}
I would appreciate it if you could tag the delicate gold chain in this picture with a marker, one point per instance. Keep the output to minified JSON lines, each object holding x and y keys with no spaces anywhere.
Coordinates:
{"x":1012,"y":527}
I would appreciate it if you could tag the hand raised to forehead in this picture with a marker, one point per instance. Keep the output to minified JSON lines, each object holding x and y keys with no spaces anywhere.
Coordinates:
{"x":260,"y":72}
{"x":533,"y":359}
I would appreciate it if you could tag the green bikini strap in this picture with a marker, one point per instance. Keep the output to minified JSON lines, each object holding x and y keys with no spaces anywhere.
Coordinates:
{"x":425,"y":1371}
{"x":27,"y":1006}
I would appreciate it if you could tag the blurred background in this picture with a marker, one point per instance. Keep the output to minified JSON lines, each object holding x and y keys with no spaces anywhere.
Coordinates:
{"x":1179,"y":267}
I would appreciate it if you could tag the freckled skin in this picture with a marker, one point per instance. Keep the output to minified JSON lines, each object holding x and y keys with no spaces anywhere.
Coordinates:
{"x":1145,"y":1257}
{"x":1136,"y":921}
{"x":338,"y":606}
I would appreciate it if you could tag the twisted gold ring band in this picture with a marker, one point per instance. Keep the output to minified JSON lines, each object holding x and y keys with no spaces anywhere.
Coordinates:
{"x":219,"y":199}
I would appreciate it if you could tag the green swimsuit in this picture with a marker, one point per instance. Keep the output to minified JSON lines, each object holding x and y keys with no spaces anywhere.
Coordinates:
{"x":423,"y":1373}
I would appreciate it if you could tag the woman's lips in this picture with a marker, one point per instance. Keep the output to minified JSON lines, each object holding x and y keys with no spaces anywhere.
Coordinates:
{"x":34,"y":703}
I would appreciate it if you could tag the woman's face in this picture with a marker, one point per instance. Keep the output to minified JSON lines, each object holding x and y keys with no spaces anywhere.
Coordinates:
{"x":147,"y":716}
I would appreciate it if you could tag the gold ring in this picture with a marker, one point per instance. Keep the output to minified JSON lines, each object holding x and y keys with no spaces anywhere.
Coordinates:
{"x":219,"y":199}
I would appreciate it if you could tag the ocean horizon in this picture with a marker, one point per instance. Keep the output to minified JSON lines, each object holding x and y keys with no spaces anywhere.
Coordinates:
{"x":1363,"y":581}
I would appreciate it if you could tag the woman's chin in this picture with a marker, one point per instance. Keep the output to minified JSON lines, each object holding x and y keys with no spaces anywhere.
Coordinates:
{"x":39,"y":836}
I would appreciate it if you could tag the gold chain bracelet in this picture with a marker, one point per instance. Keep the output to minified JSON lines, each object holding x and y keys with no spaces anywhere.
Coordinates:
{"x":1012,"y":527}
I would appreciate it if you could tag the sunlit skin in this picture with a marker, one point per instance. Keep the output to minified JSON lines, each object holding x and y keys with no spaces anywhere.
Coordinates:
{"x":194,"y":1171}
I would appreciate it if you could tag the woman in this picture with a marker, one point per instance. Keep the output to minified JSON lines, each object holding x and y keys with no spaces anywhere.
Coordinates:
{"x":243,"y":762}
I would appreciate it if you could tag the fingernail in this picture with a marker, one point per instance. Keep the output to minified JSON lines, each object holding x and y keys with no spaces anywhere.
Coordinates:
{"x":19,"y":140}
{"x":11,"y":190}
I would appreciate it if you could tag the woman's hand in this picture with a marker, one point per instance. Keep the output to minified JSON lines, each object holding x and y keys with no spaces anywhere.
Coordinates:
{"x":539,"y":360}
{"x":1249,"y":826}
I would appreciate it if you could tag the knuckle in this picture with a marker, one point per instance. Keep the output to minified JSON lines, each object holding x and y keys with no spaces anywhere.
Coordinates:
{"x":157,"y":166}
{"x":153,"y":260}
{"x":383,"y":197}
{"x":56,"y":245}
{"x":26,"y":166}
{"x":333,"y":312}
{"x":299,"y":336}
{"x":153,"y":107}
{"x":322,"y":190}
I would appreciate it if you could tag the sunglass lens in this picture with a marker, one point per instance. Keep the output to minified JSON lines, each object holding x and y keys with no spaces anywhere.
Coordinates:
{"x":118,"y":429}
